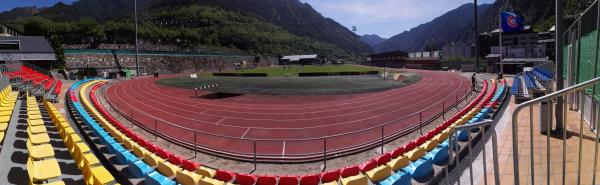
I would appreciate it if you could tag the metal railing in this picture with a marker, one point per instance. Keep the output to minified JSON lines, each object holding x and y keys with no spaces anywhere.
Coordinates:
{"x":462,"y":156}
{"x":245,"y":149}
{"x":577,"y":89}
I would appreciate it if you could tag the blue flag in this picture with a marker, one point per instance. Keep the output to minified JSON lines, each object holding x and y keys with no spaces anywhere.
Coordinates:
{"x":511,"y":22}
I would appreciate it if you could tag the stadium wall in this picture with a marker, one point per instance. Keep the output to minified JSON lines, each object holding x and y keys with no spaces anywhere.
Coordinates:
{"x":164,"y":64}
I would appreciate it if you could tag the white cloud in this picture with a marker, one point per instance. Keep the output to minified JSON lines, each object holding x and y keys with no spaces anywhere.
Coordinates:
{"x":385,"y":17}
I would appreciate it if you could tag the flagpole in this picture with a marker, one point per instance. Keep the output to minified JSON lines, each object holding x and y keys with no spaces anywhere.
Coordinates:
{"x":500,"y":41}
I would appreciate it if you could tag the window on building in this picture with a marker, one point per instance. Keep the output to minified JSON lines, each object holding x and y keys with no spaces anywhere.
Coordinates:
{"x":10,"y":45}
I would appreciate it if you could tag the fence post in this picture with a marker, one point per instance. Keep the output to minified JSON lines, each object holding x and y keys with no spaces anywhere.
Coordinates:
{"x":421,"y":122}
{"x":444,"y":110}
{"x":324,"y":154}
{"x":254,"y":145}
{"x":155,"y":130}
{"x":382,"y":139}
{"x":195,"y":144}
{"x":456,"y":104}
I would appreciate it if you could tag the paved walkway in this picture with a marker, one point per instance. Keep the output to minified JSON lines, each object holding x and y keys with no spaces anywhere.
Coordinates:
{"x":505,"y":151}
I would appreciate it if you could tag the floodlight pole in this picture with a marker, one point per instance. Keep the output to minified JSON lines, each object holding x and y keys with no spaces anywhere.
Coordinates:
{"x":558,"y":58}
{"x":137,"y":65}
{"x":476,"y":30}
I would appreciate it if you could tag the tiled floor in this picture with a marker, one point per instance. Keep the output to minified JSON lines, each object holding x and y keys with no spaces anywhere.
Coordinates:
{"x":540,"y":148}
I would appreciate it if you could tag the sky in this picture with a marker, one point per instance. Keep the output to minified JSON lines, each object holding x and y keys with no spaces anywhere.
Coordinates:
{"x":385,"y":18}
{"x":10,"y":4}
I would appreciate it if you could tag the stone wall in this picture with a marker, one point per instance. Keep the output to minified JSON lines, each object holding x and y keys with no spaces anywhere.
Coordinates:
{"x":164,"y":64}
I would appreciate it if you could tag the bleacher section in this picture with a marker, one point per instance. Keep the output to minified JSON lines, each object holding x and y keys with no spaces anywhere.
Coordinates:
{"x":533,"y":82}
{"x":40,"y":84}
{"x":419,"y":161}
{"x":7,"y":104}
{"x":87,"y":162}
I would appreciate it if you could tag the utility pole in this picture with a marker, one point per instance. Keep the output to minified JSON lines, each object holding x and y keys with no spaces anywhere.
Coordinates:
{"x":137,"y":64}
{"x":476,"y":30}
{"x":559,"y":63}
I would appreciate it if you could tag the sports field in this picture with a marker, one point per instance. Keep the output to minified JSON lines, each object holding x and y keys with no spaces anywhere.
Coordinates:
{"x":294,"y":70}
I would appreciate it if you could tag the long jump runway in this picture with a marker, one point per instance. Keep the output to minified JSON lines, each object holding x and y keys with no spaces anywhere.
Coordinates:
{"x":285,"y":126}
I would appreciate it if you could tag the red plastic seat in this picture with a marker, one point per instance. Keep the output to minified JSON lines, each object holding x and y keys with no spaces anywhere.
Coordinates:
{"x":190,"y":165}
{"x":288,"y":180}
{"x":410,"y":146}
{"x":368,"y":165}
{"x":350,"y":171}
{"x":224,"y":175}
{"x":162,"y":153}
{"x":398,"y":152}
{"x":245,"y":179}
{"x":313,"y":179}
{"x":383,"y":159}
{"x":266,"y":180}
{"x":174,"y":159}
{"x":330,"y":176}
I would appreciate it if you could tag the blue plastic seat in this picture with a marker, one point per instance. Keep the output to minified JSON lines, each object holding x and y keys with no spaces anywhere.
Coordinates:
{"x":126,"y":157}
{"x":139,"y":169}
{"x":155,"y":178}
{"x":401,"y":177}
{"x":420,"y":169}
{"x":439,"y":155}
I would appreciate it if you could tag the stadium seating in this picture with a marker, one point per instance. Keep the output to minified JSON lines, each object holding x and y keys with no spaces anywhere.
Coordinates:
{"x":415,"y":160}
{"x":104,"y":130}
{"x":87,"y":162}
{"x":7,"y":104}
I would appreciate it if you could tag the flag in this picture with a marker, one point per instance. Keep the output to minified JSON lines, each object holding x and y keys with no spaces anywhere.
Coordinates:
{"x":511,"y":22}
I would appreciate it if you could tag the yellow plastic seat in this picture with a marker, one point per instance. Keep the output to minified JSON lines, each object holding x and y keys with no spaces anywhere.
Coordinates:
{"x":55,"y":183}
{"x":205,"y":171}
{"x":3,"y":126}
{"x":79,"y":150}
{"x":6,"y":113}
{"x":34,"y":117}
{"x":152,"y":159}
{"x":7,"y":108}
{"x":1,"y":137}
{"x":331,"y":183}
{"x":43,"y":170}
{"x":210,"y":181}
{"x":72,"y":139}
{"x":415,"y":154}
{"x":380,"y":173}
{"x":399,"y":163}
{"x":88,"y":158}
{"x":100,"y":176}
{"x":185,"y":177}
{"x":35,"y":122}
{"x":4,"y":119}
{"x":359,"y":179}
{"x":38,"y":139}
{"x":168,"y":169}
{"x":39,"y":129}
{"x":40,"y":152}
{"x":430,"y":144}
{"x":66,"y":131}
{"x":140,"y":151}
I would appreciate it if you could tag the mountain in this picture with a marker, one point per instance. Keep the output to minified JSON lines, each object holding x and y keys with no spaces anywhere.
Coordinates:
{"x":537,"y":13}
{"x":373,"y":39}
{"x":455,"y":25}
{"x":287,"y":26}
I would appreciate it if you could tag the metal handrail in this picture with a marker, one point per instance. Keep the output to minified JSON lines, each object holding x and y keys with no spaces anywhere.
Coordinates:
{"x":530,"y":104}
{"x":481,"y":144}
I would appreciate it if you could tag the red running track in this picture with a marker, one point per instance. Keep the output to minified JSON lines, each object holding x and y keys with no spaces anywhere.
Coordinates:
{"x":290,"y":126}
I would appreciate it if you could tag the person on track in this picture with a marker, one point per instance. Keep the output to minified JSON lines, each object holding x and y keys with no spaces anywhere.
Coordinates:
{"x":473,"y":80}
